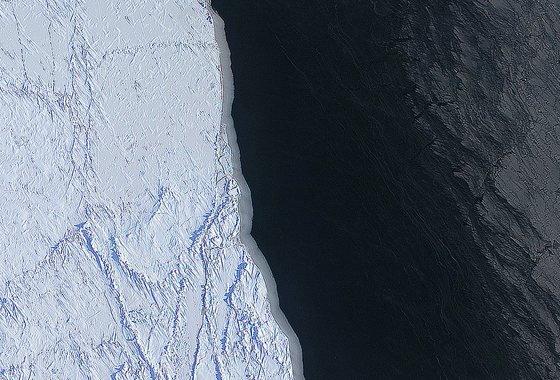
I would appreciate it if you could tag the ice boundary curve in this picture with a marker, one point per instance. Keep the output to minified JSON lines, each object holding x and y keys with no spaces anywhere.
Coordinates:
{"x":245,"y":206}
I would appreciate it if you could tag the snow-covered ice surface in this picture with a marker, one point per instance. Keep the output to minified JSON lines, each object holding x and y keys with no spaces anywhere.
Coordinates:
{"x":122,"y":216}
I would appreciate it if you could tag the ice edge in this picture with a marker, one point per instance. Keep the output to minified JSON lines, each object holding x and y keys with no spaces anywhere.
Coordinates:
{"x":245,"y":204}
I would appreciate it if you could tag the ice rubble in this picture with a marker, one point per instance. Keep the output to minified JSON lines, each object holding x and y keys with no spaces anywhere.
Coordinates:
{"x":120,"y":228}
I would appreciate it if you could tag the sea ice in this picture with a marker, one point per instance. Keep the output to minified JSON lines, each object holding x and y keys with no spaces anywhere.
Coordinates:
{"x":121,"y":231}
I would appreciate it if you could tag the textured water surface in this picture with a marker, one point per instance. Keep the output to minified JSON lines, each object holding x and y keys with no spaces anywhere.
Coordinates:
{"x":403,"y":159}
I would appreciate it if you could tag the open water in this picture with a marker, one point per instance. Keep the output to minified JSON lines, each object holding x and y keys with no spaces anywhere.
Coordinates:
{"x":371,"y":136}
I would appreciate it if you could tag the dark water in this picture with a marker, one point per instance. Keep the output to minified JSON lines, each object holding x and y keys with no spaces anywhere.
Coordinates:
{"x":363,"y":225}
